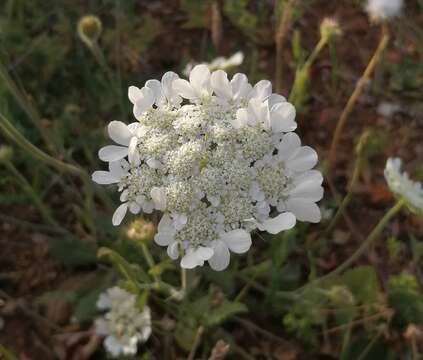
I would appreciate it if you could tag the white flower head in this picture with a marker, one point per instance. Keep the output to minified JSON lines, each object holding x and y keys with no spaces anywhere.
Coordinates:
{"x":219,"y":63}
{"x":123,"y":325}
{"x":382,"y":10}
{"x":219,"y":158}
{"x":401,"y":185}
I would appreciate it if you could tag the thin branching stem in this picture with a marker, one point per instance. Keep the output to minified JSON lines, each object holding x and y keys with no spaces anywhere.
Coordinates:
{"x":363,"y":247}
{"x":358,"y":90}
{"x":196,"y":344}
{"x":280,"y":36}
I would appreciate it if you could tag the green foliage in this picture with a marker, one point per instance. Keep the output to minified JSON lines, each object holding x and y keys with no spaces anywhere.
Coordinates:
{"x":363,"y":284}
{"x":406,"y":298}
{"x":73,"y":252}
{"x":131,"y":272}
{"x":196,"y":11}
{"x":238,"y":13}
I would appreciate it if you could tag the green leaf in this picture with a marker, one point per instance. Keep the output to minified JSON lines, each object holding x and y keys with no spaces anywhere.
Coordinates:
{"x":7,"y":354}
{"x":225,"y":310}
{"x":85,"y":308}
{"x":73,"y":252}
{"x":406,"y":298}
{"x":363,"y":283}
{"x":133,"y":273}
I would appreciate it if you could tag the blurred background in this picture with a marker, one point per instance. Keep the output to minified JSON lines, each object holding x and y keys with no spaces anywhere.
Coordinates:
{"x":65,"y":67}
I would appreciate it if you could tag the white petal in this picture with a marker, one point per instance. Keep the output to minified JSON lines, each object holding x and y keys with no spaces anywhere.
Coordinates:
{"x":164,"y":238}
{"x":156,"y":88}
{"x":275,"y":99}
{"x":112,"y":153}
{"x":134,"y":208}
{"x":144,"y":101}
{"x":281,"y":222}
{"x":241,"y":118}
{"x":303,"y":159}
{"x":262,"y":90}
{"x":240,"y":86}
{"x":220,"y":84}
{"x":133,"y":155}
{"x":103,"y":178}
{"x":165,"y":223}
{"x":221,"y":256}
{"x":304,"y":210}
{"x":282,"y":117}
{"x":133,"y":94}
{"x":204,"y":253}
{"x":190,"y":260}
{"x":239,"y":241}
{"x":289,"y":145}
{"x":184,"y":88}
{"x":154,"y":164}
{"x":173,"y":250}
{"x":118,"y":168}
{"x":167,"y":85}
{"x":158,"y":195}
{"x":200,"y":78}
{"x":119,"y":132}
{"x":119,"y":214}
{"x":259,"y":113}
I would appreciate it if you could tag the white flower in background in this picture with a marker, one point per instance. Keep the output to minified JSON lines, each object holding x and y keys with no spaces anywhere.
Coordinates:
{"x":401,"y":185}
{"x":123,"y":325}
{"x":388,"y":109}
{"x":220,"y":63}
{"x":381,"y":10}
{"x":218,"y":165}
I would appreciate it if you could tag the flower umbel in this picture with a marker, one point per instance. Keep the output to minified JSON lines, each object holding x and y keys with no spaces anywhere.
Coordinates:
{"x":124,"y":325}
{"x":219,"y":164}
{"x":401,"y":185}
{"x":382,"y":10}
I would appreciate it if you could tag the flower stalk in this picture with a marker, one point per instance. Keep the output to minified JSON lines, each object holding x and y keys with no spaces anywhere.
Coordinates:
{"x":364,"y":246}
{"x":358,"y":90}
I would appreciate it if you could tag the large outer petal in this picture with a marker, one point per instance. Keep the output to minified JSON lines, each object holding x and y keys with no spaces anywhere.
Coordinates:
{"x":104,"y":178}
{"x":303,"y":159}
{"x":221,"y":256}
{"x":220,"y":84}
{"x":119,"y":132}
{"x":304,"y":210}
{"x":199,"y":78}
{"x":119,"y":214}
{"x":184,"y":88}
{"x":282,"y":117}
{"x":238,"y":241}
{"x":284,"y":221}
{"x":112,"y":153}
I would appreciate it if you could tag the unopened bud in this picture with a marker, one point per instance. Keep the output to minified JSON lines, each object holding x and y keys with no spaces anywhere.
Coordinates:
{"x":89,"y":29}
{"x":6,"y":153}
{"x":140,"y":230}
{"x":329,"y":28}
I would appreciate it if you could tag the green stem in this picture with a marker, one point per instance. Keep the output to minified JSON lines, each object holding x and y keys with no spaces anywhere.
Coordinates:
{"x":45,"y":212}
{"x":346,"y":200}
{"x":20,"y":140}
{"x":363,"y":247}
{"x":183,"y":280}
{"x":26,"y":106}
{"x":150,"y":261}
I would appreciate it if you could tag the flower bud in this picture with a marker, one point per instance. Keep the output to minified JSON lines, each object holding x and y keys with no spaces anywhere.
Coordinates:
{"x":6,"y":154}
{"x":140,"y":230}
{"x":329,"y":28}
{"x":89,"y":29}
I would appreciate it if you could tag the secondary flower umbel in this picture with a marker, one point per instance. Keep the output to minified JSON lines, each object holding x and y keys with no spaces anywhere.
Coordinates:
{"x":219,"y":164}
{"x":402,"y":186}
{"x":124,"y":325}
